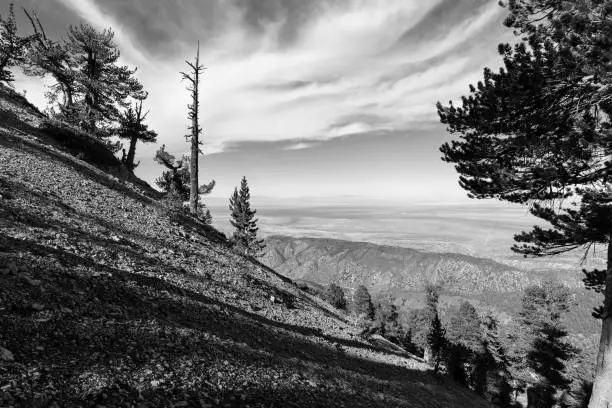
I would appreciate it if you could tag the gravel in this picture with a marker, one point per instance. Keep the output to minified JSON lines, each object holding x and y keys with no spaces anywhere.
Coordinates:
{"x":109,"y":298}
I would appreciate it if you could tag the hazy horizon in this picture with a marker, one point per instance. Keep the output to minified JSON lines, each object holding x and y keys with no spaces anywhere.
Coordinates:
{"x":480,"y":228}
{"x":327,"y":107}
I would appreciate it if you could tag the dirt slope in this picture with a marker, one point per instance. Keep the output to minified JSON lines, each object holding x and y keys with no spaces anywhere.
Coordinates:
{"x":108,"y":299}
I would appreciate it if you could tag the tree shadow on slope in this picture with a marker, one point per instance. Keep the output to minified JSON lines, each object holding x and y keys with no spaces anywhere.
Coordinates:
{"x":124,"y":331}
{"x":36,"y":219}
{"x":122,"y":288}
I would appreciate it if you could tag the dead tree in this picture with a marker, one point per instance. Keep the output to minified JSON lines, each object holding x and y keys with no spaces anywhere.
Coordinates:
{"x":193,"y":78}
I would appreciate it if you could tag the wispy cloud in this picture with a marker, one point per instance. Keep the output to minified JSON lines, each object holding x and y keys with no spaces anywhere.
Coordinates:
{"x":295,"y":73}
{"x":299,"y":146}
{"x":89,"y":11}
{"x":307,"y":65}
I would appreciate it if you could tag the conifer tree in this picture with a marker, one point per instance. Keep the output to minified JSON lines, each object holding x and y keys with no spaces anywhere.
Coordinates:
{"x":243,"y":219}
{"x":13,"y":47}
{"x":193,"y":78}
{"x":538,"y":133}
{"x":465,"y":328}
{"x":103,"y":86}
{"x":455,"y":359}
{"x":386,"y":319}
{"x":467,"y":338}
{"x":541,"y":349}
{"x":499,"y":389}
{"x":362,"y":303}
{"x":428,"y":316}
{"x":175,"y":180}
{"x":335,"y":296}
{"x":47,"y":56}
{"x":436,"y":340}
{"x":133,"y":128}
{"x":406,"y":339}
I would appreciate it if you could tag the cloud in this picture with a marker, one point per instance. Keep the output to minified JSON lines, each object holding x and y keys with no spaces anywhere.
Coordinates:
{"x":300,"y":146}
{"x":292,"y":75}
{"x":89,"y":10}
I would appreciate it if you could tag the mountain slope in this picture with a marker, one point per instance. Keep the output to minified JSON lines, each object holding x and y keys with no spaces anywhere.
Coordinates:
{"x":383,"y":268}
{"x":109,"y":298}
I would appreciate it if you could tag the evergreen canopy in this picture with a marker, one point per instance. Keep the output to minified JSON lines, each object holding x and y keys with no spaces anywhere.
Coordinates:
{"x":362,"y":302}
{"x":133,"y":128}
{"x":243,"y":220}
{"x":13,"y":47}
{"x":538,"y":132}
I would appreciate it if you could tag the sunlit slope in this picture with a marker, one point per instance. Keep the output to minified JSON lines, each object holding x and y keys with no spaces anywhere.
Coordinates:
{"x":109,"y":299}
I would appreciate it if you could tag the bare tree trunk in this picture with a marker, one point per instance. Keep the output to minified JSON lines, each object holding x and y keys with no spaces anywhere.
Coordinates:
{"x":195,"y":151}
{"x":194,"y":79}
{"x":68,"y":102}
{"x":602,"y":387}
{"x":129,"y":161}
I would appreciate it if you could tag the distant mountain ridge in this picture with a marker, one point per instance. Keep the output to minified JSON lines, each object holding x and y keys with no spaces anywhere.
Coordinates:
{"x":385,"y":268}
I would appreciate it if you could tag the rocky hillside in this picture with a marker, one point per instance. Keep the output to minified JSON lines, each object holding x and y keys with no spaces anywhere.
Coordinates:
{"x":109,"y":298}
{"x":383,"y":268}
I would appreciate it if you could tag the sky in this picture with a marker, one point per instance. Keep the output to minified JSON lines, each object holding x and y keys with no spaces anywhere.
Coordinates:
{"x":317,"y":98}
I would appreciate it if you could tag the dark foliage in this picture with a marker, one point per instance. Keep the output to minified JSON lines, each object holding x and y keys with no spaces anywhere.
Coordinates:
{"x":406,"y":341}
{"x":175,"y":180}
{"x":541,"y":350}
{"x":103,"y":86}
{"x":133,"y":128}
{"x":436,"y":340}
{"x":13,"y":47}
{"x":455,"y":358}
{"x":495,"y":359}
{"x":538,"y":132}
{"x":386,"y":320}
{"x":49,"y":57}
{"x":362,"y":303}
{"x":465,"y":328}
{"x":244,"y":238}
{"x":334,"y":294}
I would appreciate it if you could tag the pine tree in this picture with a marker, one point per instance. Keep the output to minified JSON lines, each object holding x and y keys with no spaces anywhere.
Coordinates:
{"x":465,"y":328}
{"x":538,"y":132}
{"x":467,"y":338}
{"x":436,"y":341}
{"x":428,"y":315}
{"x":335,"y":296}
{"x":133,"y":128}
{"x":499,"y":389}
{"x":194,"y":138}
{"x":102,"y":85}
{"x":13,"y":47}
{"x":205,"y":215}
{"x":541,"y":349}
{"x":362,"y":303}
{"x":243,"y":220}
{"x":175,"y":180}
{"x":386,"y":319}
{"x":417,"y":321}
{"x":406,"y":340}
{"x":455,"y":360}
{"x":51,"y":57}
